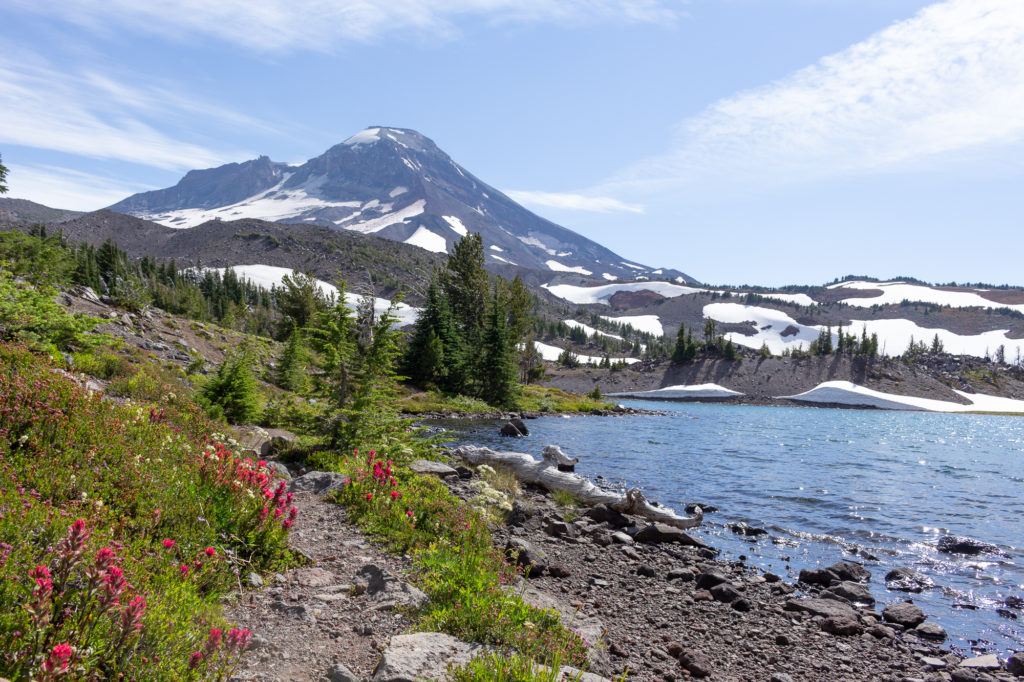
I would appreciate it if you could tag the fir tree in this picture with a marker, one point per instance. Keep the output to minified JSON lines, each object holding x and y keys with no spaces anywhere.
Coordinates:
{"x":292,"y":371}
{"x":3,"y":177}
{"x":498,"y":368}
{"x":233,"y":391}
{"x":436,"y":354}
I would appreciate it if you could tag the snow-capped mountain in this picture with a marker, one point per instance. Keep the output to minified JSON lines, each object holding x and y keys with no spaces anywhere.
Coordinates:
{"x":393,"y":183}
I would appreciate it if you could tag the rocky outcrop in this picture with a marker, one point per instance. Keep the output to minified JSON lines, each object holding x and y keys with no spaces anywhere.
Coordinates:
{"x":423,"y":656}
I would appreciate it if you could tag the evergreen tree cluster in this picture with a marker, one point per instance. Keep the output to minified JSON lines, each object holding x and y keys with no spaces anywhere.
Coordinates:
{"x":467,"y":339}
{"x":714,"y":344}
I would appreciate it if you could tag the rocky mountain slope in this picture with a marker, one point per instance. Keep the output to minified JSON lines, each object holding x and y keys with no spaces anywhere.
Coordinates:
{"x":25,"y":211}
{"x":391,"y":182}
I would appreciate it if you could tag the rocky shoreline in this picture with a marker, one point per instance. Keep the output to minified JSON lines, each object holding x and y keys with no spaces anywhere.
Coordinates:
{"x":652,"y":601}
{"x":671,"y":610}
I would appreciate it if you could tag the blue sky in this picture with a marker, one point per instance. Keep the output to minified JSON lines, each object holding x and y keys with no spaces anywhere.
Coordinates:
{"x":759,"y":141}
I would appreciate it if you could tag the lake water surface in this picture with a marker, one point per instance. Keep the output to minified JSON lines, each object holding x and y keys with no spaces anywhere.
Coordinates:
{"x":826,"y":483}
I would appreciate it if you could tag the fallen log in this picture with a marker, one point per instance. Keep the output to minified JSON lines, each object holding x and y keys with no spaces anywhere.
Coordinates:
{"x":546,"y":474}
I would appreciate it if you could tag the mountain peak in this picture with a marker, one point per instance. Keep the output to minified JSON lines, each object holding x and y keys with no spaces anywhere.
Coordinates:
{"x":394,"y":183}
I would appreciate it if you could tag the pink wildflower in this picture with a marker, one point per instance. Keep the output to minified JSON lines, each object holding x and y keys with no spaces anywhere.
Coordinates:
{"x":210,"y":551}
{"x":195,"y":659}
{"x":59,"y":658}
{"x":239,"y":638}
{"x":169,"y":543}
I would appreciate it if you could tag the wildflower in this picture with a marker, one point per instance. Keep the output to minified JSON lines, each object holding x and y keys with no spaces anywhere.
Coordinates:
{"x":210,"y":551}
{"x":195,"y":659}
{"x":395,"y":494}
{"x":131,"y":616}
{"x":239,"y":638}
{"x":287,"y":523}
{"x":184,"y":570}
{"x":44,"y":583}
{"x":169,"y":543}
{"x":59,"y":659}
{"x":114,"y":586}
{"x":408,"y":512}
{"x":369,"y":497}
{"x":105,"y":558}
{"x":213,"y":640}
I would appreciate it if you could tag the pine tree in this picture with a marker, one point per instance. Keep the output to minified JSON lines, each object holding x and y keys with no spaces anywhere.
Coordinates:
{"x":436,"y":353}
{"x":331,"y":334}
{"x":233,"y":391}
{"x":531,"y":367}
{"x":3,"y":177}
{"x":292,"y":370}
{"x":498,"y":368}
{"x":299,"y":298}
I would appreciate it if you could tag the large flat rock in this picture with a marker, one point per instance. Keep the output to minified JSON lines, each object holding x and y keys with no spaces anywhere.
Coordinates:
{"x":423,"y":656}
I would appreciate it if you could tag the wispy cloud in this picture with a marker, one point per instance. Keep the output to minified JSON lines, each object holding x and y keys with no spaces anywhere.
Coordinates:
{"x":948,"y":80}
{"x":279,"y":25}
{"x":88,"y":114}
{"x":573,"y":202}
{"x":66,"y":188}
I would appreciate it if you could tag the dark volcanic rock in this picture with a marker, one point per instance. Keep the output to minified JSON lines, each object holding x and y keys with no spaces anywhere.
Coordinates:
{"x":725,"y":593}
{"x":953,"y":544}
{"x":903,"y":614}
{"x":602,"y":513}
{"x":818,"y":576}
{"x":656,"y":533}
{"x":706,"y":508}
{"x":696,"y":663}
{"x":842,"y":625}
{"x":747,"y":530}
{"x":1015,"y":664}
{"x":510,"y":430}
{"x":826,"y":608}
{"x":850,"y":570}
{"x":907,"y":580}
{"x":932,"y":631}
{"x":646,"y":570}
{"x":854,"y":592}
{"x":532,"y":559}
{"x":708,"y":579}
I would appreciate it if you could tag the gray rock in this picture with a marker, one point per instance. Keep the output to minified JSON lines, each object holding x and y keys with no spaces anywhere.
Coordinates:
{"x":879,"y":631}
{"x":279,"y":470}
{"x":907,"y":580}
{"x":317,"y":481}
{"x":934,"y":663}
{"x":903,"y":614}
{"x":741,"y":604}
{"x":602,"y":513}
{"x":826,"y":608}
{"x":747,"y":530}
{"x":780,"y":677}
{"x":818,"y":576}
{"x":1015,"y":664}
{"x":683,"y":574}
{"x":696,"y":663}
{"x":557,"y":570}
{"x":560,"y":529}
{"x":932,"y":631}
{"x":854,"y":592}
{"x":986,"y":662}
{"x":520,"y":426}
{"x":622,"y":538}
{"x":422,"y":656}
{"x":646,"y":570}
{"x":954,"y":544}
{"x":425,"y":466}
{"x":842,"y":625}
{"x":656,"y":533}
{"x":254,"y":580}
{"x":851,"y":570}
{"x":708,"y":579}
{"x":725,"y":593}
{"x":340,"y":673}
{"x":509,"y":430}
{"x":532,"y":559}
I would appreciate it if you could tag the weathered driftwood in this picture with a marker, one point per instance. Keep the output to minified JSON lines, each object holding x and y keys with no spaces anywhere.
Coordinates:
{"x":545,"y":473}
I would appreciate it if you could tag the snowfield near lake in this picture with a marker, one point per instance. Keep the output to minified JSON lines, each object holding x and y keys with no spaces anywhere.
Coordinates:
{"x":649,"y":324}
{"x":893,"y":335}
{"x":684,"y":391}
{"x":848,"y":393}
{"x":895,"y":293}
{"x":551,"y":353}
{"x":268,"y":276}
{"x":601,"y":294}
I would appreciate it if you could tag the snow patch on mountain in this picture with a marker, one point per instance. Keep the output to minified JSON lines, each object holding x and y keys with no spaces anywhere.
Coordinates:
{"x":368,"y":136}
{"x":649,"y":324}
{"x":601,"y":294}
{"x":425,"y":239}
{"x":799,"y":299}
{"x":496,"y":248}
{"x":456,"y":224}
{"x":397,"y":192}
{"x":559,"y":267}
{"x":894,"y":293}
{"x":848,"y":393}
{"x":609,"y":277}
{"x":400,"y":216}
{"x":502,"y":260}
